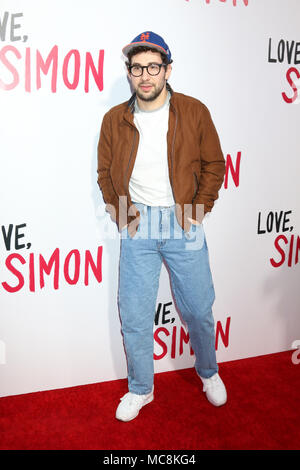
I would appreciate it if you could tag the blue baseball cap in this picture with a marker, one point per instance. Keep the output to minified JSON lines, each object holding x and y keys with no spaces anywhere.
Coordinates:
{"x":150,"y":39}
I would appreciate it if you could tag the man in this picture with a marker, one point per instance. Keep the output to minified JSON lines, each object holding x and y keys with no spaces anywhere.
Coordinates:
{"x":160,"y":167}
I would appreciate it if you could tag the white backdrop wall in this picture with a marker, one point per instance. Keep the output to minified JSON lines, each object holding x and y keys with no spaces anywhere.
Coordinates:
{"x":59,"y":326}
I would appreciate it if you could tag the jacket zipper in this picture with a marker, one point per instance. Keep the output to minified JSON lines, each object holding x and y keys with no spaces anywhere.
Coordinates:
{"x":172,"y":151}
{"x":131,"y":152}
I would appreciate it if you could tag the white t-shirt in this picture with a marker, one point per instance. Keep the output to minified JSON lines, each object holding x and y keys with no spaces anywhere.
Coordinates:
{"x":149,"y":182}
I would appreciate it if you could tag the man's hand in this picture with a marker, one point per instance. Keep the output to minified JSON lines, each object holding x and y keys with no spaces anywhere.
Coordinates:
{"x":195,"y":222}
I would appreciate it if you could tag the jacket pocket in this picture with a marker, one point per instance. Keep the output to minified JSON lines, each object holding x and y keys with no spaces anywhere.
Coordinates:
{"x":196,"y":184}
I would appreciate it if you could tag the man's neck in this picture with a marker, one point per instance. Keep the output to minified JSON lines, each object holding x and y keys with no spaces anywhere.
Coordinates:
{"x":152,"y":105}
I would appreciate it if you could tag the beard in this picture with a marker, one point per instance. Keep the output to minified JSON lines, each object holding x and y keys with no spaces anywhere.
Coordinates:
{"x":150,"y":96}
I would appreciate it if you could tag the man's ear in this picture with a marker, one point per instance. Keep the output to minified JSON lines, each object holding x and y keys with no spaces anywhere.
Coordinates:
{"x":128,"y":73}
{"x":168,"y":71}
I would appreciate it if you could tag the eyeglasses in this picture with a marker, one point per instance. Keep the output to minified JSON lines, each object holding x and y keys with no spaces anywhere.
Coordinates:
{"x":152,"y":69}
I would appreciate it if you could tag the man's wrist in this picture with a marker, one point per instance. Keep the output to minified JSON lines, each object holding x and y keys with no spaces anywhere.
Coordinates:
{"x":195,"y":222}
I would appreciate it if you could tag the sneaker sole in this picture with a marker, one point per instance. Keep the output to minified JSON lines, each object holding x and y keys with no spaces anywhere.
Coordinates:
{"x":149,"y":400}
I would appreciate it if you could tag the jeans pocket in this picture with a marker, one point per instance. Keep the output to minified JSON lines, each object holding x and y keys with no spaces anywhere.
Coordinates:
{"x":194,"y":238}
{"x":191,"y":231}
{"x":123,"y":228}
{"x":130,"y":230}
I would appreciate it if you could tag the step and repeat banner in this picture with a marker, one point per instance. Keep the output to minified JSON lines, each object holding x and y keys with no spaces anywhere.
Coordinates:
{"x":61,"y":70}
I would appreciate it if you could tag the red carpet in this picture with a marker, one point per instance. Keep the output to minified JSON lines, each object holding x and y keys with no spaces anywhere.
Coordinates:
{"x":262,"y":412}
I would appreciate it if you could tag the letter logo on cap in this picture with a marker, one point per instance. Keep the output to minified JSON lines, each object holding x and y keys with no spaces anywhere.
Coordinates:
{"x":144,"y":37}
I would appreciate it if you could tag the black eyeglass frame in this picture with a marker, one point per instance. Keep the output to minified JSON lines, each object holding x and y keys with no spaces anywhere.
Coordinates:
{"x":146,"y":67}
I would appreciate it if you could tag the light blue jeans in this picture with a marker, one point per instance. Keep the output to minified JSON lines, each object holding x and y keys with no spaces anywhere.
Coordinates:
{"x":161,"y":239}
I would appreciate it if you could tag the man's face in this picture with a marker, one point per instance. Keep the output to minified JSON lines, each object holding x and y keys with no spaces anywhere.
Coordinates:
{"x":148,"y":87}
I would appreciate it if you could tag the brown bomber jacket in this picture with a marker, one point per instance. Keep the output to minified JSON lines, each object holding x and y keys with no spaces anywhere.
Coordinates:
{"x":195,"y":159}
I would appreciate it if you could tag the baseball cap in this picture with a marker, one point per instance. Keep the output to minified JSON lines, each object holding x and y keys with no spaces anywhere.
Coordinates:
{"x":150,"y":39}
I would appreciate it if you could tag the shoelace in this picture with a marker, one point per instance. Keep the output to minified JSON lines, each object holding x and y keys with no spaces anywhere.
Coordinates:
{"x":214,"y":382}
{"x":132,"y":398}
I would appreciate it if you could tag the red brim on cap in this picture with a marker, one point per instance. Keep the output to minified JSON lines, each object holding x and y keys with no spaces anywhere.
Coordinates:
{"x":130,"y":46}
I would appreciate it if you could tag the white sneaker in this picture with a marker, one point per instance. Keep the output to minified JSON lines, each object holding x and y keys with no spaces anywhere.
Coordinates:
{"x":131,"y":404}
{"x":215,"y":390}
